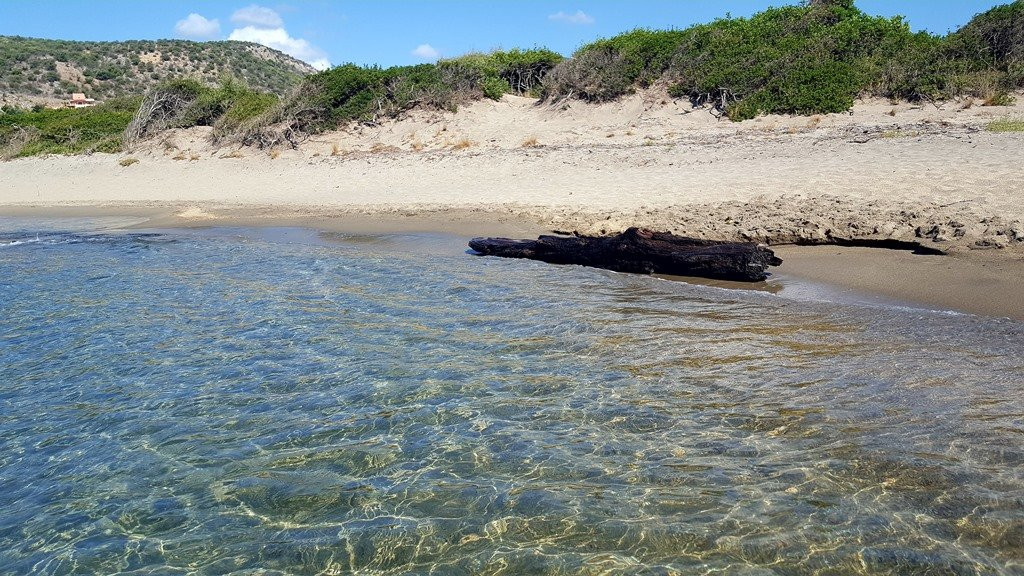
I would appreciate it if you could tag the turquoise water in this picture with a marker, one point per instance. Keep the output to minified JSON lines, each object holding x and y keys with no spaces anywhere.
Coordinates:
{"x":282,"y":402}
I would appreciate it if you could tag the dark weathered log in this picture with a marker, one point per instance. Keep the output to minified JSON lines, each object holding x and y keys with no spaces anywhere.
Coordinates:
{"x":643,"y":252}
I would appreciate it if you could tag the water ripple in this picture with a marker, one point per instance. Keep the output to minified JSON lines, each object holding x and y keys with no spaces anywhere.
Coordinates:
{"x":223,"y":403}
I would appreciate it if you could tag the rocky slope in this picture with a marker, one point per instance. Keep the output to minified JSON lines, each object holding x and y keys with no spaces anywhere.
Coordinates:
{"x":35,"y":70}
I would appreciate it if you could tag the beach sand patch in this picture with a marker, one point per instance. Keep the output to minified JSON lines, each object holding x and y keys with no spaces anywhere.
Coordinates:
{"x":196,"y":213}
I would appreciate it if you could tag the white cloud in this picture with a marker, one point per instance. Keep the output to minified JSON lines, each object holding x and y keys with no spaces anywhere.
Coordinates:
{"x":579,"y":17}
{"x":197,"y":27}
{"x":259,"y":16}
{"x":279,"y":39}
{"x":426,"y":52}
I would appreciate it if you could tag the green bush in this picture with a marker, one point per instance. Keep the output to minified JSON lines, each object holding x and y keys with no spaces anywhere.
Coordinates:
{"x":496,"y":73}
{"x":495,"y":88}
{"x":66,"y":130}
{"x":607,"y":69}
{"x":813,"y":58}
{"x":524,"y":70}
{"x":995,"y":38}
{"x":645,"y":53}
{"x":187,"y":102}
{"x":369,"y":94}
{"x":244,"y":108}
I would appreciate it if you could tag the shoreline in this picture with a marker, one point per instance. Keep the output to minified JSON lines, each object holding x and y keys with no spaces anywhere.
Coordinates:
{"x":981,"y":283}
{"x":883,"y":174}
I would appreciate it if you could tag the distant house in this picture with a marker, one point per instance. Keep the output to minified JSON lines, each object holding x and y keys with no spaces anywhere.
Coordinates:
{"x":78,"y":100}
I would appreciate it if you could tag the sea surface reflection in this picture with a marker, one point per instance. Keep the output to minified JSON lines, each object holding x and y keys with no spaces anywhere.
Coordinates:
{"x":232,"y":401}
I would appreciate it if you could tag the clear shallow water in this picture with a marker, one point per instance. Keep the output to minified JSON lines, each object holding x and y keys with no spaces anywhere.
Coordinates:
{"x":237,"y":401}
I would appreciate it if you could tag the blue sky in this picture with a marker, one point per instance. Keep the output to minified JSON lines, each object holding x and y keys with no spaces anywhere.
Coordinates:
{"x":389,"y":32}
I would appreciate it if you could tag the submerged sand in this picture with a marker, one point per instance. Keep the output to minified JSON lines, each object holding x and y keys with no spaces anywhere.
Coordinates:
{"x":926,"y":175}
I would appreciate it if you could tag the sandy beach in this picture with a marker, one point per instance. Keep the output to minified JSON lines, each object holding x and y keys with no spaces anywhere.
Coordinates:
{"x":885,"y":174}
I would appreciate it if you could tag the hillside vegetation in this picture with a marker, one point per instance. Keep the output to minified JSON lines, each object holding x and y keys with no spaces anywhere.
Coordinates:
{"x":807,"y":59}
{"x":368,"y":94}
{"x":109,"y":127}
{"x":103,"y":70}
{"x":812,"y":58}
{"x":816,"y":57}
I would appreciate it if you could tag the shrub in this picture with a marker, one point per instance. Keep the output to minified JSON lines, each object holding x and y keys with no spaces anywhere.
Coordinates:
{"x":66,"y":130}
{"x":499,"y":72}
{"x":524,"y":70}
{"x":995,"y":37}
{"x":595,"y":75}
{"x":999,"y":99}
{"x":495,"y":88}
{"x":812,"y":58}
{"x":351,"y":93}
{"x":245,"y":107}
{"x":184,"y":103}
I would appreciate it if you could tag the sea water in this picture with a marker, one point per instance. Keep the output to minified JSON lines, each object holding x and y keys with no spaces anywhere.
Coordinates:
{"x":286,"y":402}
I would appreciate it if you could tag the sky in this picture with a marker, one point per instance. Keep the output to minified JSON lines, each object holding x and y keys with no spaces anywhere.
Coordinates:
{"x":394,"y":32}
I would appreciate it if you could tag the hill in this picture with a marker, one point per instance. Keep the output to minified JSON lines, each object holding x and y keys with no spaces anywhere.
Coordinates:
{"x":52,"y":69}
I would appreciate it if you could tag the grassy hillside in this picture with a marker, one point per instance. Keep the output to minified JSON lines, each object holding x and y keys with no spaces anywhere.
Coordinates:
{"x":103,"y":70}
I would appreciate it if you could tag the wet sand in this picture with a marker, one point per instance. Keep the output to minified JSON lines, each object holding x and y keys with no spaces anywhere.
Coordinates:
{"x":988,"y":283}
{"x":985,"y":284}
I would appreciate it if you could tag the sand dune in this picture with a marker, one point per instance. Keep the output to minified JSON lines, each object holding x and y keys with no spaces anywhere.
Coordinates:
{"x":912,"y":172}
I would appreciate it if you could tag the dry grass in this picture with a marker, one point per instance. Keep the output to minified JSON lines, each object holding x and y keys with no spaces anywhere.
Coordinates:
{"x":463,"y":144}
{"x":999,"y":99}
{"x":274,"y":154}
{"x":180,"y":156}
{"x":335,"y":149}
{"x":892,"y":112}
{"x":126,"y":162}
{"x":193,"y":157}
{"x":417,"y":145}
{"x":890,"y":134}
{"x":813,"y":122}
{"x":531,"y":142}
{"x":233,"y":154}
{"x":380,"y":148}
{"x":17,"y":142}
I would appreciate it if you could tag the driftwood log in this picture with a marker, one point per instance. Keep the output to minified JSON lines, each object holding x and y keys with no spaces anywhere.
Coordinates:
{"x":642,"y":251}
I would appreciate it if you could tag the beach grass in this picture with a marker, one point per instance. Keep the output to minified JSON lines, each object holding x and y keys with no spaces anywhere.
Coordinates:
{"x":1006,"y":125}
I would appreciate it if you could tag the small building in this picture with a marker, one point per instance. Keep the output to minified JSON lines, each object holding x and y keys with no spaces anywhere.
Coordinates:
{"x":78,"y":100}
